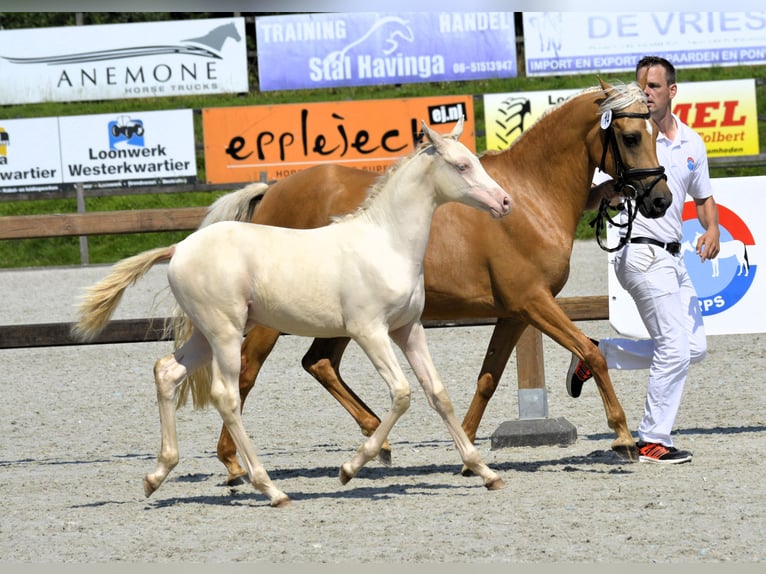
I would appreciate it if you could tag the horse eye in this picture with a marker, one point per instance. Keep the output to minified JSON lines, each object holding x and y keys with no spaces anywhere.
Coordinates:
{"x":630,"y":140}
{"x":461,"y":167}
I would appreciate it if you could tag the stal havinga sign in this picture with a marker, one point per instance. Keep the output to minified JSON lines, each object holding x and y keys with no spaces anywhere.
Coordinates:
{"x":116,"y":61}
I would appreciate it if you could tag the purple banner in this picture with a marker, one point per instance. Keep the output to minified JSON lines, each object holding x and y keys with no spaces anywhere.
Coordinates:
{"x":332,"y":50}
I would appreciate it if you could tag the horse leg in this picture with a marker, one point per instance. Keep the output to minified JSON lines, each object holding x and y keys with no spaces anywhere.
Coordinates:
{"x":549,"y":318}
{"x":412,"y":341}
{"x":504,"y":338}
{"x":378,"y":348}
{"x":224,"y":394}
{"x":322,"y":361}
{"x":169,"y":371}
{"x":256,"y":347}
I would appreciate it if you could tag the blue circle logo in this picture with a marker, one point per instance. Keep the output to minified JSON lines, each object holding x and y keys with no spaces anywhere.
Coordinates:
{"x":721,"y":282}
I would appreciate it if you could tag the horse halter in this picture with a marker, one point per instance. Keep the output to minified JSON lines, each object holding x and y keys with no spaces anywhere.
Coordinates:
{"x":627,"y":183}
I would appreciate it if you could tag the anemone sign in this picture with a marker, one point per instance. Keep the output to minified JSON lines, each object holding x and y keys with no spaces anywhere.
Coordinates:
{"x":116,"y":61}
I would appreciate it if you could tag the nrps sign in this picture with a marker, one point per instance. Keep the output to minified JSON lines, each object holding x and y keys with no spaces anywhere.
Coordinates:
{"x":118,"y":61}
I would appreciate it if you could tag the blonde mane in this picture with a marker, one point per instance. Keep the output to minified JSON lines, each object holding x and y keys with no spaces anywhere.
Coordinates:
{"x":619,"y":96}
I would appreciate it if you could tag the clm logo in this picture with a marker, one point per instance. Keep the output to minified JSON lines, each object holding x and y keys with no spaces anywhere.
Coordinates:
{"x":125,"y":129}
{"x":723,"y":281}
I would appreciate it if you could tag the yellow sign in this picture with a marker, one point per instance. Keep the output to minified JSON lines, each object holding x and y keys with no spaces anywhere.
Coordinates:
{"x":724,"y":113}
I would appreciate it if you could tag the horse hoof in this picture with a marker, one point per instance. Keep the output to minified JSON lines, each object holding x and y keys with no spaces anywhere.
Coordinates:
{"x":344,"y":475}
{"x":149,"y":486}
{"x":237,"y":480}
{"x":384,"y":456}
{"x":495,"y":484}
{"x":629,"y":453}
{"x":281,"y":502}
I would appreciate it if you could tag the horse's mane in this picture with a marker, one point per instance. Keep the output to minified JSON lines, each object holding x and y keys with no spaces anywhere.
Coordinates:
{"x":380,"y":183}
{"x":618,"y":97}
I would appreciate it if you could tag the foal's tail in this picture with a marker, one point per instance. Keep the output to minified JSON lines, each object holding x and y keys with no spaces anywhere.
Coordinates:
{"x":100,"y":300}
{"x":236,"y":206}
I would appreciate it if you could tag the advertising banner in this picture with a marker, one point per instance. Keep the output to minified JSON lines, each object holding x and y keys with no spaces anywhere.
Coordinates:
{"x":99,"y":151}
{"x":334,"y":49}
{"x":29,"y":155}
{"x":115,"y":61}
{"x":557,"y":43}
{"x":254,"y":143}
{"x":724,"y":113}
{"x":730,"y":288}
{"x":128,"y":149}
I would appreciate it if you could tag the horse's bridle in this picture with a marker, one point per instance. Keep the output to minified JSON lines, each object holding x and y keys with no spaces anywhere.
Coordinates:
{"x":628,"y":182}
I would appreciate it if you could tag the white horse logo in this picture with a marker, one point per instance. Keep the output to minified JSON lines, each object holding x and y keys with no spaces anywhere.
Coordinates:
{"x":732,"y":248}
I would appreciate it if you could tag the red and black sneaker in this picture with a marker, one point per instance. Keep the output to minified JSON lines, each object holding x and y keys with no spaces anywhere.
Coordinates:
{"x":577,"y":374}
{"x":660,"y":454}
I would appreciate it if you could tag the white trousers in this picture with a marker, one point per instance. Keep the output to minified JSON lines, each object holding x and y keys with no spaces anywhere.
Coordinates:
{"x":667,"y":303}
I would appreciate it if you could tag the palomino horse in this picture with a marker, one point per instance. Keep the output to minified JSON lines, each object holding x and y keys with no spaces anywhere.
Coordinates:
{"x":229,"y":276}
{"x":510,"y":269}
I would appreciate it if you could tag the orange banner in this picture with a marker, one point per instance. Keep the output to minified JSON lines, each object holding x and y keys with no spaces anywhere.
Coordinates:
{"x":254,"y":143}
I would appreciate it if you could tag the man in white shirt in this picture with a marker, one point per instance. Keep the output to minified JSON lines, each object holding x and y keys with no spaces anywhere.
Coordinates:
{"x":652,"y":270}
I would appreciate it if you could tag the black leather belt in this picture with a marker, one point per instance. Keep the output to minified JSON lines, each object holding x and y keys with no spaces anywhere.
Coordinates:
{"x":673,"y":248}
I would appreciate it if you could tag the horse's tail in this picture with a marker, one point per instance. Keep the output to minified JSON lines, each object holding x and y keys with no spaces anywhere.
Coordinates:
{"x":199,"y":380}
{"x":100,"y":300}
{"x":747,"y":261}
{"x":236,"y":206}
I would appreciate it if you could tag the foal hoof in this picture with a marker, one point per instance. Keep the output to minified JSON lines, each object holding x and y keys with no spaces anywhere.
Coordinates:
{"x":629,"y":453}
{"x":495,"y":484}
{"x":344,"y":475}
{"x":149,"y":486}
{"x":281,"y":502}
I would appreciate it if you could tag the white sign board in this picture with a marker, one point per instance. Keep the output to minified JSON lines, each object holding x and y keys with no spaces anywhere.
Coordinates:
{"x":140,"y":148}
{"x":579,"y":42}
{"x":116,"y":61}
{"x":123,"y":149}
{"x":730,"y":288}
{"x":29,"y":155}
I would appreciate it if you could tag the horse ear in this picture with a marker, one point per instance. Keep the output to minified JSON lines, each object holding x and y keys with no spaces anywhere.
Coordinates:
{"x":604,"y":85}
{"x":433,"y":137}
{"x":642,"y":74}
{"x":457,"y":131}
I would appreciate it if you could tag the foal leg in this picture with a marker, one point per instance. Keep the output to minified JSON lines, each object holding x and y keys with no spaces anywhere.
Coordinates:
{"x":412,"y":341}
{"x":378,"y":348}
{"x":169,"y":371}
{"x":256,"y":347}
{"x":322,"y":361}
{"x":224,"y":393}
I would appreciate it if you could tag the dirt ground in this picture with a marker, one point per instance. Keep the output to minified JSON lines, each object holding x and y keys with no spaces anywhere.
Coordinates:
{"x":80,"y":428}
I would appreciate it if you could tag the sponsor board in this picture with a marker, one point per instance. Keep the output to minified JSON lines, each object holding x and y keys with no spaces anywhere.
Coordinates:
{"x":557,"y":43}
{"x":730,"y":288}
{"x":724,"y":113}
{"x":253,"y":143}
{"x":303,"y":51}
{"x":124,"y":149}
{"x":117,"y":61}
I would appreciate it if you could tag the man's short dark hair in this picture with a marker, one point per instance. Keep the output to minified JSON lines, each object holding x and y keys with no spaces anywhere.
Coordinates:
{"x":649,"y":61}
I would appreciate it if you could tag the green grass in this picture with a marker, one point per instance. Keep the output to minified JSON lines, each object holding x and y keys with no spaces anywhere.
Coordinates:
{"x":110,"y":248}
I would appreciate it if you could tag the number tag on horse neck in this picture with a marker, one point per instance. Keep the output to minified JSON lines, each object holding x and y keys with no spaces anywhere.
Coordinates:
{"x":606,"y":119}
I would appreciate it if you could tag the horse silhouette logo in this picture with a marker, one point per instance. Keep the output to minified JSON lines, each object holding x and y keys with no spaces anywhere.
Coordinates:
{"x":388,"y":32}
{"x":207,"y":46}
{"x":547,"y":26}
